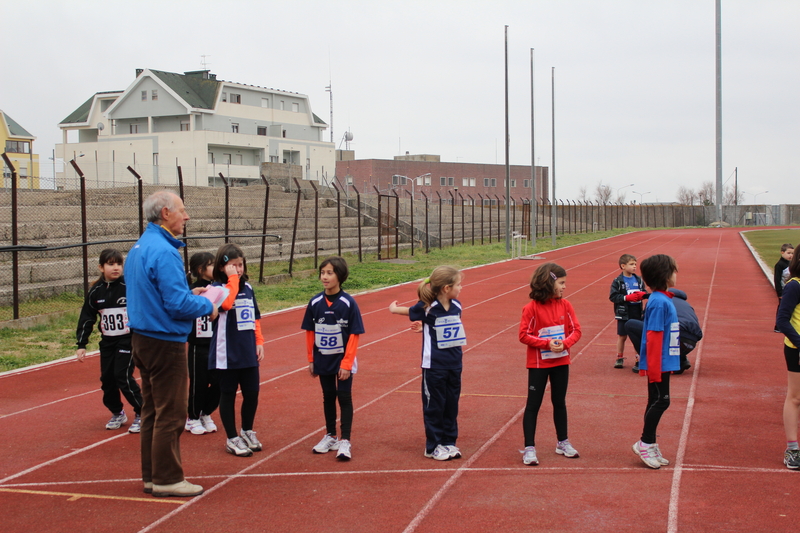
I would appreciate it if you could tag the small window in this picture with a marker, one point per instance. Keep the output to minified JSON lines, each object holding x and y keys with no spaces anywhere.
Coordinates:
{"x":295,"y":107}
{"x":236,"y":98}
{"x":144,"y":96}
{"x":283,"y":133}
{"x":465,"y":182}
{"x":210,"y":158}
{"x":237,"y":159}
{"x":494,"y":182}
{"x":427,"y":180}
{"x":442,"y":181}
{"x":282,"y":106}
{"x":273,"y":159}
{"x":472,"y":182}
{"x":154,"y":94}
{"x":262,"y":130}
{"x":526,"y":183}
{"x":398,"y":180}
{"x":226,"y":159}
{"x":184,"y":125}
{"x":265,"y":102}
{"x":308,"y":165}
{"x":451,"y":181}
{"x":134,"y":128}
{"x":224,"y":97}
{"x":485,"y":182}
{"x":234,"y":127}
{"x":513,"y":183}
{"x":155,"y":160}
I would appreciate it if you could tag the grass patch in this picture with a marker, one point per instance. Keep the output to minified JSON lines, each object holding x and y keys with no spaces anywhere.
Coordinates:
{"x":38,"y":344}
{"x":767,"y":243}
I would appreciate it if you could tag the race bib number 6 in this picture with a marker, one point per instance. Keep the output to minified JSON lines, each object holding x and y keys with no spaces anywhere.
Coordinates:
{"x":328,"y":338}
{"x":449,"y":332}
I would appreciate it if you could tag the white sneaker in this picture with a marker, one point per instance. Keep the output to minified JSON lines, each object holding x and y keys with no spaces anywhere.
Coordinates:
{"x":328,"y":443}
{"x":455,"y":453}
{"x":249,"y":437}
{"x":194,"y":426}
{"x":136,"y":426}
{"x":659,"y":457}
{"x":565,"y":448}
{"x":208,"y":424}
{"x":237,"y":446}
{"x":441,"y":453}
{"x":344,"y":450}
{"x":116,"y":421}
{"x":647,"y":453}
{"x":529,"y":456}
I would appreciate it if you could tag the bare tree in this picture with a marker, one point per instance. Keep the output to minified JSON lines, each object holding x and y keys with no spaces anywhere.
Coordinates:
{"x":706,"y":193}
{"x":686,"y":196}
{"x":583,"y":196}
{"x":620,"y":197}
{"x":732,"y":197}
{"x":602,"y":193}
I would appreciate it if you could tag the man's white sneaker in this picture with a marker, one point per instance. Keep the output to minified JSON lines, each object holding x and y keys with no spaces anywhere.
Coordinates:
{"x":136,"y":426}
{"x":344,"y":450}
{"x":647,"y":453}
{"x":328,"y":443}
{"x":565,"y":448}
{"x":208,"y":424}
{"x":441,"y":453}
{"x":182,"y":488}
{"x":529,"y":456}
{"x":249,"y":437}
{"x":237,"y":446}
{"x":194,"y":426}
{"x":116,"y":421}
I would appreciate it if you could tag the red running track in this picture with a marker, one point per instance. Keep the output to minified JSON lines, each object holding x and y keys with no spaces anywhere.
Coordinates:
{"x":61,"y":471}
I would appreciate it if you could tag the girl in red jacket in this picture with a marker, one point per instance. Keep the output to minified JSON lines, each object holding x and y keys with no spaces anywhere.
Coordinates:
{"x":549,"y":328}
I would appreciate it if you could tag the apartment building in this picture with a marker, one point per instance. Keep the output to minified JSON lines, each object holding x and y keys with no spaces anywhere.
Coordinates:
{"x":193,"y":120}
{"x":17,"y":144}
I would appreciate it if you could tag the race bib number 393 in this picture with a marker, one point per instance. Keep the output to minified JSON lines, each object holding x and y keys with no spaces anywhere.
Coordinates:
{"x":329,"y":339}
{"x":449,"y":332}
{"x":114,"y":321}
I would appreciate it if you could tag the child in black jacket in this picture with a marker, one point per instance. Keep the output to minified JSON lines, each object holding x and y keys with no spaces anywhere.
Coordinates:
{"x":627,"y":291}
{"x":107,"y":299}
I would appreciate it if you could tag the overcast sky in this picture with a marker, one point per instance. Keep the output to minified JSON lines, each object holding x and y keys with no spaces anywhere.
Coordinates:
{"x":634,"y":79}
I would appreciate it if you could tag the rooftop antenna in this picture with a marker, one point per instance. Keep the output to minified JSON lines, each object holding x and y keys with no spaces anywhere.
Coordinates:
{"x":329,"y":89}
{"x":348,"y":136}
{"x":203,"y":61}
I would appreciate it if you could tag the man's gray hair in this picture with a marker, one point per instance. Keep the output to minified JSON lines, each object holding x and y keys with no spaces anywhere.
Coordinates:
{"x":157,"y":201}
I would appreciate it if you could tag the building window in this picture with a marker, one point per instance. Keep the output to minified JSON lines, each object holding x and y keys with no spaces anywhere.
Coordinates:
{"x":472,"y":182}
{"x":465,"y":182}
{"x":442,"y":181}
{"x":155,"y":160}
{"x":18,"y":147}
{"x":308,"y":165}
{"x":494,"y":182}
{"x":234,"y":127}
{"x":265,"y":102}
{"x":237,"y":159}
{"x":398,"y":180}
{"x":282,"y":106}
{"x":224,"y":97}
{"x":526,"y":183}
{"x":144,"y":96}
{"x":236,"y":98}
{"x":154,"y":94}
{"x":427,"y":180}
{"x":485,"y":182}
{"x":226,"y":159}
{"x":283,"y":133}
{"x":184,"y":125}
{"x":210,"y":158}
{"x":295,"y":107}
{"x":134,"y":128}
{"x":273,"y":159}
{"x":262,"y":130}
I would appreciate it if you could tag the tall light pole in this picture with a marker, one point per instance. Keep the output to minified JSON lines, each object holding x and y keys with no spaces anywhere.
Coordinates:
{"x":641,"y":195}
{"x":617,"y":189}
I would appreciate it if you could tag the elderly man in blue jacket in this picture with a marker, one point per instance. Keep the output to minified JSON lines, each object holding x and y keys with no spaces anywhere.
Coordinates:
{"x":161,"y":312}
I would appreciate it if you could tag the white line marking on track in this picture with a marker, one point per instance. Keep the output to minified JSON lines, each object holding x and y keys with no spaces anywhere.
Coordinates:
{"x":674,"y":496}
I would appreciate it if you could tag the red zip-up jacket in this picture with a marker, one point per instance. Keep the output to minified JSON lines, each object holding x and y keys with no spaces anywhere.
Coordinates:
{"x":538,"y":315}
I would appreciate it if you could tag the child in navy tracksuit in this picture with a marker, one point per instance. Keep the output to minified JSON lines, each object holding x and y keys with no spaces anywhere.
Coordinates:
{"x":237,"y":347}
{"x":107,"y":299}
{"x":442,"y":338}
{"x":627,"y":291}
{"x":333,"y":325}
{"x":203,"y":386}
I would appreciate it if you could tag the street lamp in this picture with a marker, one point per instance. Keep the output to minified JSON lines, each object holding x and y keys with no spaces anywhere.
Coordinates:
{"x":641,"y":195}
{"x":755,"y":195}
{"x":617,"y":189}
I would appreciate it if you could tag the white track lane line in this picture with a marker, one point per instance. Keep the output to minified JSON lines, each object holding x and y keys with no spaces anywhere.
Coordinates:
{"x":677,"y":472}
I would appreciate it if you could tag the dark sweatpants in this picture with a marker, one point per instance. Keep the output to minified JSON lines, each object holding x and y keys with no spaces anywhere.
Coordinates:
{"x":441,"y":390}
{"x":116,"y":375}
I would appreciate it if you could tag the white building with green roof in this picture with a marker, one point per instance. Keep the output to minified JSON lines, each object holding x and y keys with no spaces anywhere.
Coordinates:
{"x":193,"y":120}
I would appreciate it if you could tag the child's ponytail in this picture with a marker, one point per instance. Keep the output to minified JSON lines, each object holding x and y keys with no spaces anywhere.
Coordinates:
{"x":441,"y":277}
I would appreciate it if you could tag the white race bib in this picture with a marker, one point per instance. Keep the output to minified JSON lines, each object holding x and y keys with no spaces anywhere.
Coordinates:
{"x":245,"y":314}
{"x":202,"y":328}
{"x":553,"y":333}
{"x":328,"y":339}
{"x":114,"y":321}
{"x":449,"y":332}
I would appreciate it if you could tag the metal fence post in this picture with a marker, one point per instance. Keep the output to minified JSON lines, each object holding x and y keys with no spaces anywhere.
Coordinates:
{"x":338,"y":217}
{"x":294,"y":229}
{"x":358,"y":213}
{"x":84,"y":230}
{"x":472,"y":201}
{"x":452,"y":219}
{"x":440,"y":219}
{"x":412,"y":221}
{"x":316,"y":224}
{"x":264,"y":230}
{"x":14,"y":238}
{"x":186,"y":241}
{"x":427,"y":229}
{"x":227,"y":206}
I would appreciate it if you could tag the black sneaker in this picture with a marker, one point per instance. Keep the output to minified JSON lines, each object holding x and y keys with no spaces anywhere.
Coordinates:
{"x":635,"y":368}
{"x":619,"y":362}
{"x":791,"y":458}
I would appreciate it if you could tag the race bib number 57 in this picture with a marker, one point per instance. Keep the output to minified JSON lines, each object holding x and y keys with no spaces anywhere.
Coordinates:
{"x":449,"y":332}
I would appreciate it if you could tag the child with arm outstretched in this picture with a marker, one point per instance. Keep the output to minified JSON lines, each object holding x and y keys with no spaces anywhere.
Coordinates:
{"x":439,"y":311}
{"x":549,"y":328}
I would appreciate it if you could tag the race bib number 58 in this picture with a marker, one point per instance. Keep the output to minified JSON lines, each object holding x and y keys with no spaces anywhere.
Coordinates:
{"x":329,"y":339}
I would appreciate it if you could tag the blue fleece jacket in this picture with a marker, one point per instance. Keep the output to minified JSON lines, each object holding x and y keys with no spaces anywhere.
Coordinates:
{"x":160,"y":303}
